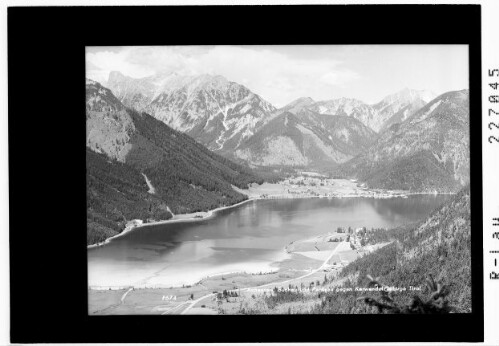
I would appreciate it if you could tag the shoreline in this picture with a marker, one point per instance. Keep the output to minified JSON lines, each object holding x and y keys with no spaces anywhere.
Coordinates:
{"x":131,"y":225}
{"x":194,"y":217}
{"x":139,"y":223}
{"x":191,"y":283}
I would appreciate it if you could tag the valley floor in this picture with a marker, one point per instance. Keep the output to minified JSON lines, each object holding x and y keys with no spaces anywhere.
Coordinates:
{"x":313,"y":186}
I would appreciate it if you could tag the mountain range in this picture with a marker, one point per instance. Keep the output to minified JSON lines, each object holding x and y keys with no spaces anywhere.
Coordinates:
{"x":412,"y":139}
{"x":391,"y":109}
{"x":233,"y":121}
{"x":140,"y":168}
{"x":429,"y":151}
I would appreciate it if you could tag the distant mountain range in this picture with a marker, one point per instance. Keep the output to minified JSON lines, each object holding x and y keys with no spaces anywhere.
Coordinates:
{"x":140,"y":168}
{"x":230,"y":119}
{"x":392,"y":109}
{"x":409,"y":140}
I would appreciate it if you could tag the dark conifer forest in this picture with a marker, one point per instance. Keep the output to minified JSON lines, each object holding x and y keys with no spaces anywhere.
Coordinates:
{"x":439,"y":246}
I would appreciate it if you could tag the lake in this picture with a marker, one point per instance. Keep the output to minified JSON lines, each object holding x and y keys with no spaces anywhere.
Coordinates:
{"x":250,"y":237}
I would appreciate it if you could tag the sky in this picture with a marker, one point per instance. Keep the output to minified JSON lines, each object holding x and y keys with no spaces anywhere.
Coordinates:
{"x":281,"y":74}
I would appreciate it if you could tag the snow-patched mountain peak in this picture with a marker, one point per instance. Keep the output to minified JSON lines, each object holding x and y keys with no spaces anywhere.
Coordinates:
{"x":407,"y":95}
{"x":100,"y":99}
{"x":339,"y":106}
{"x":399,"y":106}
{"x":164,"y":82}
{"x":217,"y":112}
{"x":192,"y":84}
{"x":301,"y":101}
{"x":115,"y":75}
{"x":212,"y":81}
{"x":392,"y":109}
{"x":297,"y":105}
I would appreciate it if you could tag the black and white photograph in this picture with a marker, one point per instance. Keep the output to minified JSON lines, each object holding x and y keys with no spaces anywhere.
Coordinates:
{"x":278,"y":179}
{"x":242,"y":172}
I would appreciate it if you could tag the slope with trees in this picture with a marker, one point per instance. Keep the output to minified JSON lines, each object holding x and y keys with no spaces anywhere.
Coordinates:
{"x":439,"y":247}
{"x":128,"y":150}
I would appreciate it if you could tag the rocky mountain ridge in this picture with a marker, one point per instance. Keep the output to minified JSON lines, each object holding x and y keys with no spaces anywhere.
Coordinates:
{"x":216,"y":112}
{"x":392,"y":109}
{"x":306,"y":139}
{"x":429,"y":151}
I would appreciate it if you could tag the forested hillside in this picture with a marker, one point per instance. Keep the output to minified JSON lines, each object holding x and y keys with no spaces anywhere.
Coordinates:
{"x":117,"y":193}
{"x":440,"y":246}
{"x":138,"y":167}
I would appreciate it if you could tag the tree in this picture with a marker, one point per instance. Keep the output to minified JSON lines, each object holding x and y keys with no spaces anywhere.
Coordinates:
{"x":437,"y":303}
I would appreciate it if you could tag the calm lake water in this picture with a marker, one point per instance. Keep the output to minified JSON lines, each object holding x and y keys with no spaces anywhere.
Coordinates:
{"x":250,"y":237}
